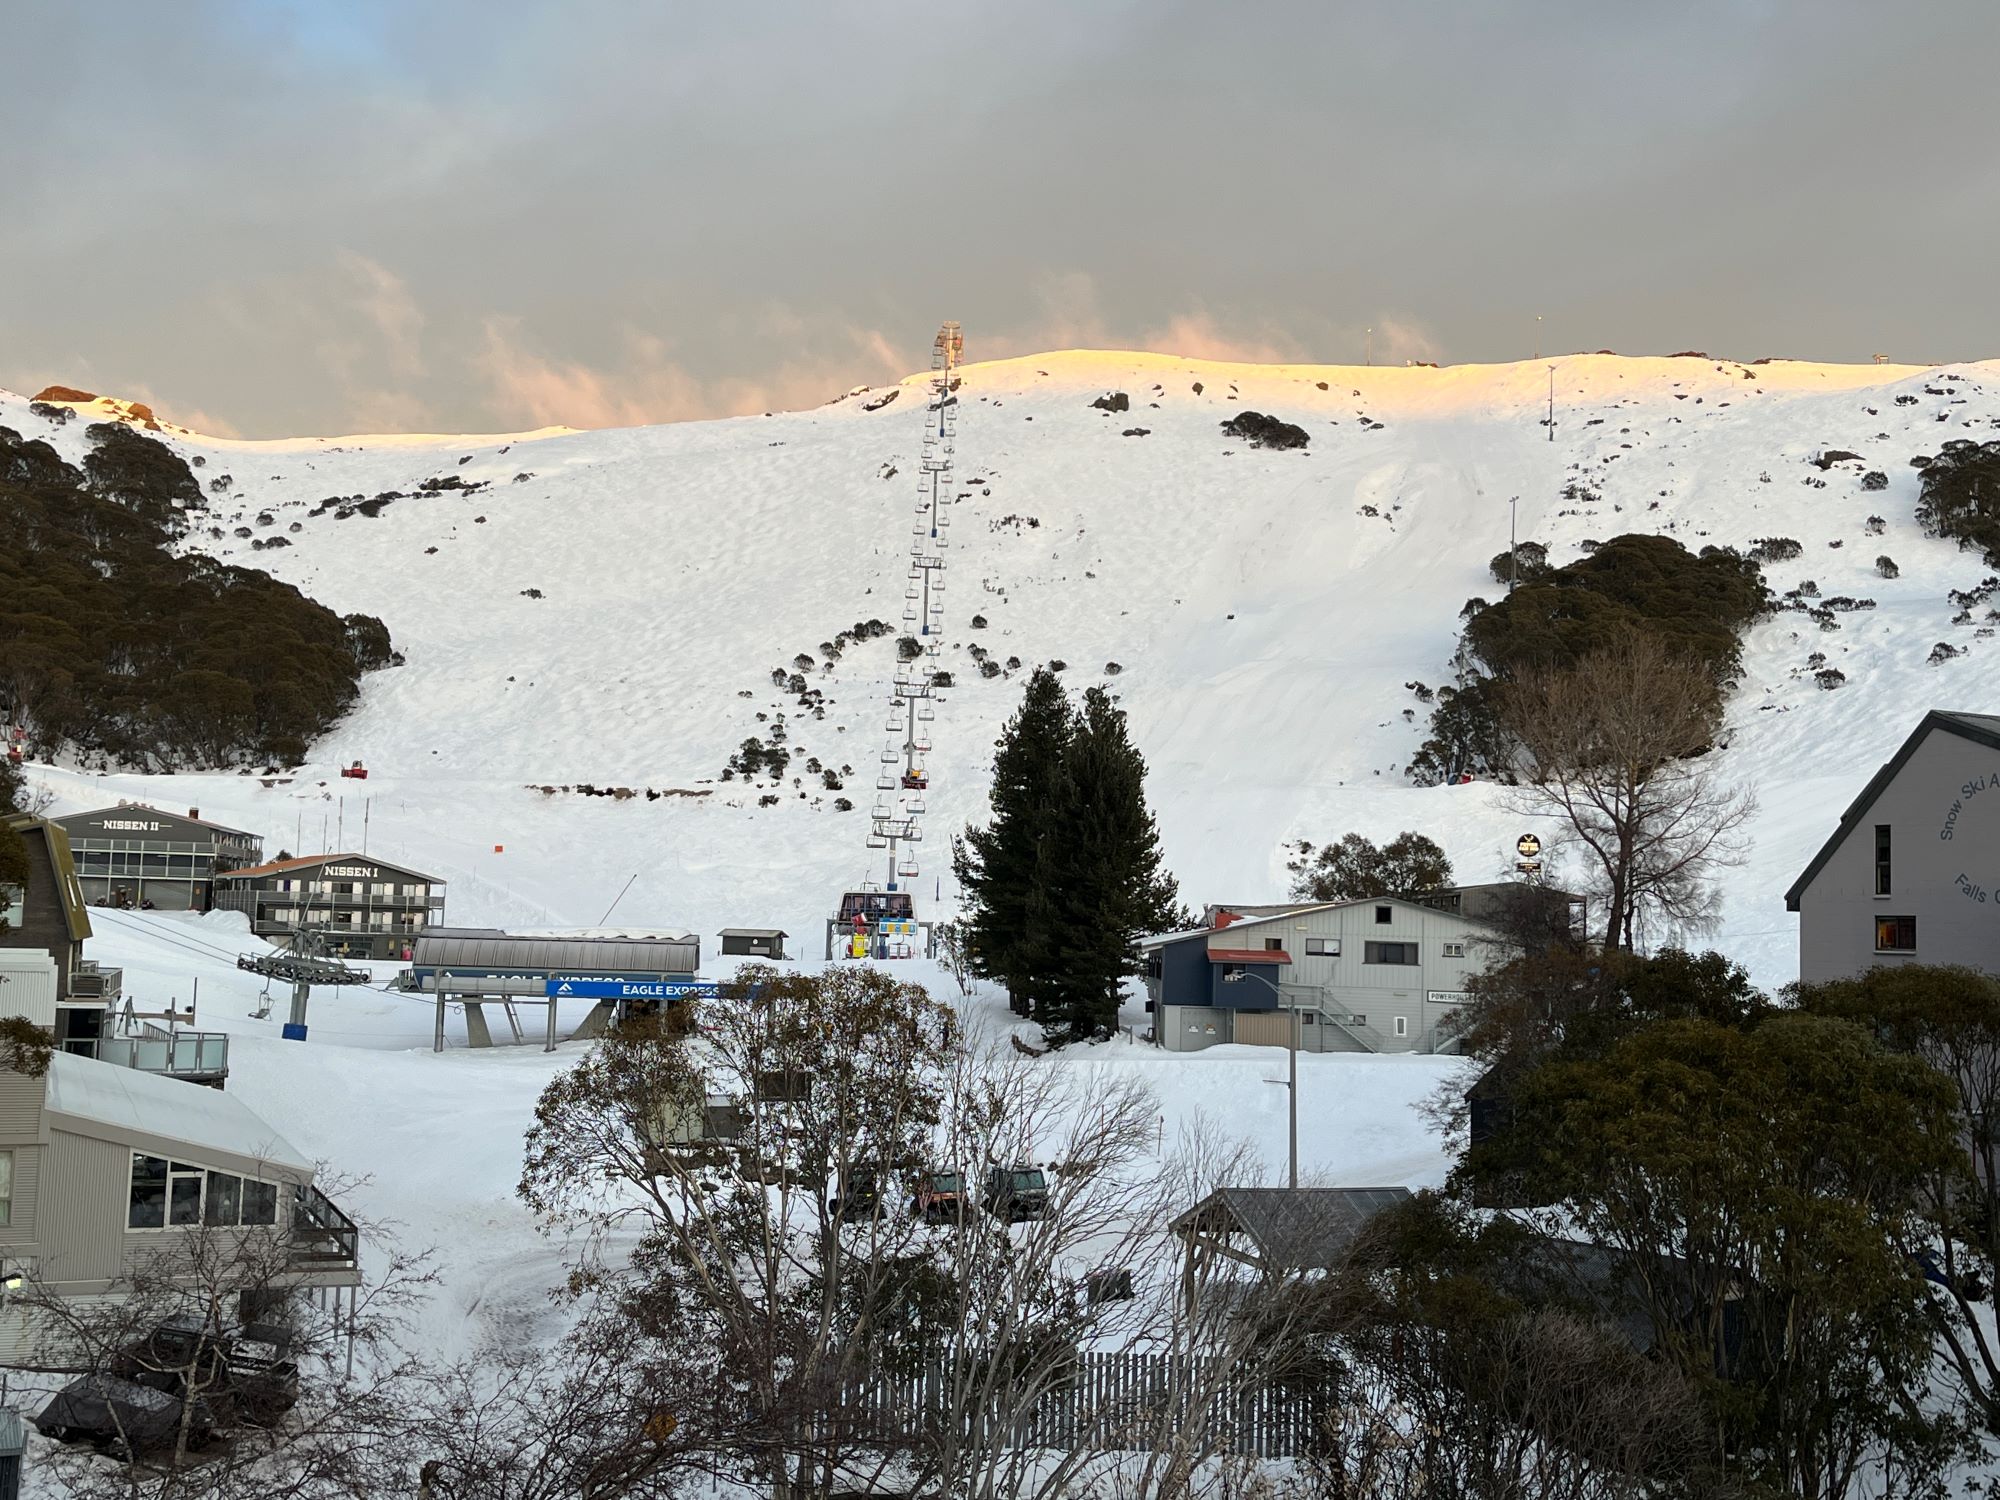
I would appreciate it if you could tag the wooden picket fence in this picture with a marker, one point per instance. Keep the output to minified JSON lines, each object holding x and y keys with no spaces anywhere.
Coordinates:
{"x":1110,"y":1402}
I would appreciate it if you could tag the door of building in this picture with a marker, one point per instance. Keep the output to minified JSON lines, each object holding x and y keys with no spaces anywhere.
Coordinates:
{"x":1264,"y":1028}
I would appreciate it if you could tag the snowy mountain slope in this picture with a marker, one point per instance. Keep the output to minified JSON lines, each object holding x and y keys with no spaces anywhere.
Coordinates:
{"x":1267,"y":609}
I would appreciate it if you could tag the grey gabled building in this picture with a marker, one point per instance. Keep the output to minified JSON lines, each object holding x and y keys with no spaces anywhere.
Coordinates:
{"x":134,"y":855}
{"x":1910,"y":874}
{"x":352,"y":905}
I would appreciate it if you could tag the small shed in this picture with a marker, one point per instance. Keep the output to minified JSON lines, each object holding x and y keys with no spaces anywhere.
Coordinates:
{"x":753,"y":942}
{"x":1274,"y":1231}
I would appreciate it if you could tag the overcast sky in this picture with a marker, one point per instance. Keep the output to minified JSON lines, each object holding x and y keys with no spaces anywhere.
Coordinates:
{"x":326,"y":216}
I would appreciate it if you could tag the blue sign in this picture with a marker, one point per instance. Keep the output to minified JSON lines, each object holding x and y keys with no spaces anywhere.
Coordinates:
{"x":560,"y":988}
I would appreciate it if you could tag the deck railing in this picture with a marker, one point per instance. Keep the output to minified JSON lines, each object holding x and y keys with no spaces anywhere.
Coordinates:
{"x":323,"y":1238}
{"x":199,"y":1055}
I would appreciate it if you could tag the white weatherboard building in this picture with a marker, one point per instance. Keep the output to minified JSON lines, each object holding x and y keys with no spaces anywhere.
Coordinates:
{"x":1376,"y":975}
{"x":1910,"y":875}
{"x":104,"y":1169}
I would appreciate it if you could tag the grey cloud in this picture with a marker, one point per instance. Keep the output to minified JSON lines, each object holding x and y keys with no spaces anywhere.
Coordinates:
{"x":313,"y":218}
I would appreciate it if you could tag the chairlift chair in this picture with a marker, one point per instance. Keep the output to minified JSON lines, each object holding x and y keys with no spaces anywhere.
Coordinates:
{"x":876,"y":841}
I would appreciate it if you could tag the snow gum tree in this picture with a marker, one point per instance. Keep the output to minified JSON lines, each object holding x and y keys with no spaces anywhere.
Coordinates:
{"x":1354,"y":868}
{"x":736,"y":1149}
{"x":1609,"y":749}
{"x":1770,"y":1184}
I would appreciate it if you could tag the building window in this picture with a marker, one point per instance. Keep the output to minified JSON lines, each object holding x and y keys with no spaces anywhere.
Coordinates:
{"x":1384,"y":915}
{"x":147,"y":1207}
{"x":1454,"y":950}
{"x":180,"y":1195}
{"x":1881,"y":859}
{"x":1402,"y":1026}
{"x":1274,"y":945}
{"x":6,"y":1187}
{"x":1323,"y":947}
{"x":1391,"y":953}
{"x":1895,"y":934}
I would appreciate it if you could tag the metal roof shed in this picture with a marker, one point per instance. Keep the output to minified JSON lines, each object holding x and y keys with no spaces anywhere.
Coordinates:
{"x":754,"y":942}
{"x":1276,"y":1230}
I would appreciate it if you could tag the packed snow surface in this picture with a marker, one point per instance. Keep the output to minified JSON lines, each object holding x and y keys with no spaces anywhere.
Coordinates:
{"x":606,"y":610}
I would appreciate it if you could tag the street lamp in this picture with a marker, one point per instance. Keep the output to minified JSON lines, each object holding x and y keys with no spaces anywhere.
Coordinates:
{"x":1292,"y":1071}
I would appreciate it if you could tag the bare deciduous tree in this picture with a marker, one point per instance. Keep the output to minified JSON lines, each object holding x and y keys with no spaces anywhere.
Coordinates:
{"x":306,"y":1401}
{"x":1612,"y":749}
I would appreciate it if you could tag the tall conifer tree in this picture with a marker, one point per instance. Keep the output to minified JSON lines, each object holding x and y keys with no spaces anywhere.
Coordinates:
{"x":1105,"y":886}
{"x":1000,"y":867}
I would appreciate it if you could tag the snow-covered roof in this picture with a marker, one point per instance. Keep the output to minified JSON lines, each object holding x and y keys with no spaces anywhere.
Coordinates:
{"x":123,"y":1104}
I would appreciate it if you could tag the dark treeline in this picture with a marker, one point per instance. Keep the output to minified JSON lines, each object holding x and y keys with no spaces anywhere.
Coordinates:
{"x":1696,"y":605}
{"x":115,"y":646}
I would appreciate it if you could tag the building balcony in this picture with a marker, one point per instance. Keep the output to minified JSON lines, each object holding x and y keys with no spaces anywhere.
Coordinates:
{"x":260,"y":904}
{"x":197,"y":1056}
{"x":323,"y":1238}
{"x":90,"y":981}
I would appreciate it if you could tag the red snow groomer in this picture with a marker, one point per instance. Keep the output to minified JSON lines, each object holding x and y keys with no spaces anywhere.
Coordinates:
{"x":17,"y":745}
{"x":357,"y":771}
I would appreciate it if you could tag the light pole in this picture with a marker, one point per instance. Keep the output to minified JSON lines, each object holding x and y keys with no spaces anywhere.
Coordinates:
{"x":1291,"y":1072}
{"x":1552,"y":403}
{"x":1370,"y":355}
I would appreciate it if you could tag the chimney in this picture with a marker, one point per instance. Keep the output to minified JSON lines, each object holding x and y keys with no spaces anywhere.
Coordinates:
{"x":194,"y":812}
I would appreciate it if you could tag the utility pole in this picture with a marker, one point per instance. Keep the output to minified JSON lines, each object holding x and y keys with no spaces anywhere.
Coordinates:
{"x":1371,"y":347}
{"x":1292,"y":1099}
{"x":1513,"y":546}
{"x":1538,"y":335}
{"x":1552,"y":403}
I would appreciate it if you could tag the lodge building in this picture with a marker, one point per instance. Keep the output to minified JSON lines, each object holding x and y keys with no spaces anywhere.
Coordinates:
{"x":135,"y":855}
{"x":353,"y":905}
{"x":1911,"y":874}
{"x":1376,"y":975}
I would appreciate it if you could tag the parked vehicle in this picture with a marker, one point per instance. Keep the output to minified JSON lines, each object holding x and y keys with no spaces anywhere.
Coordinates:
{"x":859,"y":1197}
{"x":940,"y":1198}
{"x":245,"y":1374}
{"x":107,"y":1409}
{"x":1016,"y":1193}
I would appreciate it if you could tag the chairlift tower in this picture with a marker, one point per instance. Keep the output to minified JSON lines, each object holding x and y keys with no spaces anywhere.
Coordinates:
{"x":303,"y":969}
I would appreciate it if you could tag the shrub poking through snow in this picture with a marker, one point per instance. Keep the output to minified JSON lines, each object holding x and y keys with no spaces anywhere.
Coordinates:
{"x":1886,"y":566}
{"x":1260,"y":431}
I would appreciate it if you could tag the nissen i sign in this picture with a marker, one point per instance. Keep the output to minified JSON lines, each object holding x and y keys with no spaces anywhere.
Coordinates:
{"x":364,"y":871}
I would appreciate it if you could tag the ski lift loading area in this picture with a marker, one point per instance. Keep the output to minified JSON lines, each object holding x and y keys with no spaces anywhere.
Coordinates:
{"x":474,"y":967}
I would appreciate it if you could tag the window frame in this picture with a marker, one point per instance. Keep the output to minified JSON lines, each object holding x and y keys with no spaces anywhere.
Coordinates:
{"x":1373,"y":952}
{"x":1454,"y":950}
{"x":1385,"y":916}
{"x":1895,"y":927}
{"x":1329,"y":947}
{"x":1401,"y":1027}
{"x":250,"y":1195}
{"x":1884,"y":869}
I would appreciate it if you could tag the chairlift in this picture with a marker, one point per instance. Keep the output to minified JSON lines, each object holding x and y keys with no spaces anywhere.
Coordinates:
{"x":914,"y":806}
{"x":925,"y":713}
{"x":876,"y":841}
{"x":907,"y":865}
{"x":891,"y":754}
